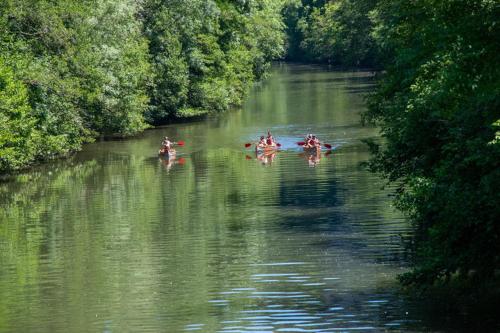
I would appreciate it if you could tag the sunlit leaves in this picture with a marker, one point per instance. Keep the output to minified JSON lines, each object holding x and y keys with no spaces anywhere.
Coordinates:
{"x":104,"y":68}
{"x":206,"y":54}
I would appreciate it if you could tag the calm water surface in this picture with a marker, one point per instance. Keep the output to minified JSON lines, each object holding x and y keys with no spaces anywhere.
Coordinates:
{"x":116,"y":240}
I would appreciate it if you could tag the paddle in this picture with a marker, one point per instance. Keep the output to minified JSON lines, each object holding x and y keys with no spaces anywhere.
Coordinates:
{"x":326,"y":145}
{"x":180,"y":143}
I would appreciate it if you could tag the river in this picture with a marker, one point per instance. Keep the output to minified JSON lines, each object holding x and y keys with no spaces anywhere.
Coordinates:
{"x":115,"y":239}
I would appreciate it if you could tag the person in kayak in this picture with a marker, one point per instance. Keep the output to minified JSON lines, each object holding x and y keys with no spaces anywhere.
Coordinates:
{"x":166,"y":144}
{"x":262,"y":142}
{"x":270,"y":139}
{"x":315,"y":141}
{"x":308,"y":141}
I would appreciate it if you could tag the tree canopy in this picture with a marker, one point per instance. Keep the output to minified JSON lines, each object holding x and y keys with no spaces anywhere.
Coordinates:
{"x":333,"y":32}
{"x":75,"y":70}
{"x":438,"y":106}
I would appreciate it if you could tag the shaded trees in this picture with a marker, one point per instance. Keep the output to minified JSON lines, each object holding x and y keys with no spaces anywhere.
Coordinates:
{"x":335,"y":32}
{"x":438,"y":106}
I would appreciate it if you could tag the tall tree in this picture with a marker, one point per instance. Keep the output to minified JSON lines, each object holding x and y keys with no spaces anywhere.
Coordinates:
{"x":335,"y":32}
{"x":207,"y":53}
{"x":439,"y":108}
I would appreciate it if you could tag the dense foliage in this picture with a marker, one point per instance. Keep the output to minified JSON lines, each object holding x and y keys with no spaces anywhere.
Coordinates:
{"x":206,"y":54}
{"x":74,"y":70}
{"x":334,"y":32}
{"x":439,"y":108}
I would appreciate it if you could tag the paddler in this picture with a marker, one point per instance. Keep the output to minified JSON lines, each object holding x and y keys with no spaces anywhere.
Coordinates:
{"x":315,"y":141}
{"x":308,"y":141}
{"x":166,"y":144}
{"x":270,"y":140}
{"x":262,"y":142}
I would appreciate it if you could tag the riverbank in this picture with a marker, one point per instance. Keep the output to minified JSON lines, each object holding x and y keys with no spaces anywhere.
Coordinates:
{"x":101,"y":70}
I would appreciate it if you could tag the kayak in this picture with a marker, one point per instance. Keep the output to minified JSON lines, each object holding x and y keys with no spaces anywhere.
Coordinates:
{"x":266,"y":149}
{"x":312,"y":150}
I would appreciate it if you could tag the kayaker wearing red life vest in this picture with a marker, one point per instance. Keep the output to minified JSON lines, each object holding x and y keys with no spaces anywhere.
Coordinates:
{"x":167,"y":147}
{"x":311,"y":141}
{"x":270,"y":140}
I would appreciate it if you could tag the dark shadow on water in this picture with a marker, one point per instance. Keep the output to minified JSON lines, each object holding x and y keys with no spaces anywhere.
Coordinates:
{"x":359,"y":90}
{"x":311,"y":194}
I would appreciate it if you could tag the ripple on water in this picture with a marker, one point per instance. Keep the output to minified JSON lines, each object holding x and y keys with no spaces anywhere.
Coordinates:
{"x":299,"y":307}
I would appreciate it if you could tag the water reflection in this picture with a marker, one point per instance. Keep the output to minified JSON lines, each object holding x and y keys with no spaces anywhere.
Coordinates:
{"x":169,"y":162}
{"x":312,"y":158}
{"x":266,"y":158}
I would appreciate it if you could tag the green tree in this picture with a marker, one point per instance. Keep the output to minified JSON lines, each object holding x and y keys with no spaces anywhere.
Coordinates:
{"x":340,"y":33}
{"x":336,"y":32}
{"x":206,"y":54}
{"x":16,"y":124}
{"x":110,"y":61}
{"x":438,"y":106}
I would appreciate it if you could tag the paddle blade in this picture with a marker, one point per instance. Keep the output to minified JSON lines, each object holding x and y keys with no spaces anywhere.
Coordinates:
{"x":180,"y":143}
{"x":278,"y":144}
{"x":301,"y":143}
{"x":181,"y":161}
{"x":248,"y":157}
{"x":327,"y":145}
{"x":247,"y":145}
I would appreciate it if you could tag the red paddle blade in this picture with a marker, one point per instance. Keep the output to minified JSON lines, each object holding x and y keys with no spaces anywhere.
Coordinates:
{"x":180,"y":143}
{"x":327,"y":145}
{"x":301,"y":143}
{"x":278,"y":144}
{"x":247,"y":145}
{"x":181,"y":160}
{"x":248,"y":157}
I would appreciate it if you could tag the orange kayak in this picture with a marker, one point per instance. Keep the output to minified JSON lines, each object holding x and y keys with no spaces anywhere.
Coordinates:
{"x":266,"y":149}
